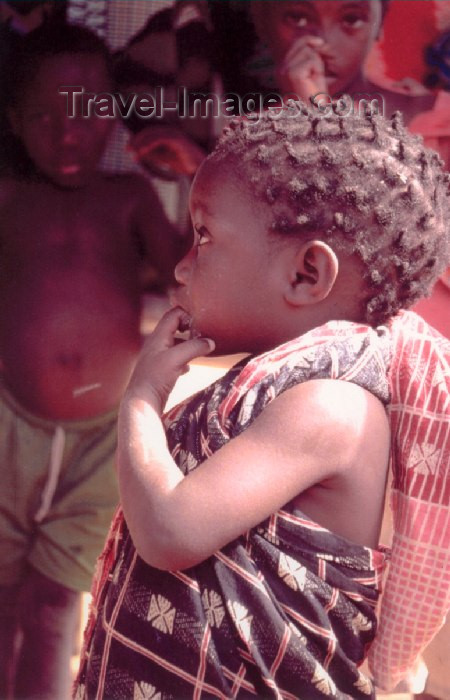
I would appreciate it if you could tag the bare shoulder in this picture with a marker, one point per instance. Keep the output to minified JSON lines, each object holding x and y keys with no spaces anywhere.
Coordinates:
{"x":328,"y":417}
{"x":342,"y":432}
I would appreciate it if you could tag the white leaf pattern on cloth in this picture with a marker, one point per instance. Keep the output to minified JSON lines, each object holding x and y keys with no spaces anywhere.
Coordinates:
{"x":212,"y":602}
{"x":323,"y":682}
{"x":242,"y":619}
{"x":145,"y":691}
{"x":360,"y":622}
{"x":363,"y":684}
{"x":293,"y":573}
{"x":161,"y":614}
{"x":439,"y":379}
{"x":425,"y":459}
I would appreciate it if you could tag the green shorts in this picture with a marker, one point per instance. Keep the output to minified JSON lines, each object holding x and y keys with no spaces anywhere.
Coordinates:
{"x":57,"y":496}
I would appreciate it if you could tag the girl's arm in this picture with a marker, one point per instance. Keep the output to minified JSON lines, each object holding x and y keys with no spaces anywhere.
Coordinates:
{"x":312,"y":433}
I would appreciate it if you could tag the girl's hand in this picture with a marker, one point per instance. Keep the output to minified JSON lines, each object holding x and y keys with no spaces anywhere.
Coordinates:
{"x":163,"y":359}
{"x":166,"y":151}
{"x":303,"y":70}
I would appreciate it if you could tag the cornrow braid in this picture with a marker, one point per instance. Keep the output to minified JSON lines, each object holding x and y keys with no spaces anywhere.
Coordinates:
{"x":363,"y":184}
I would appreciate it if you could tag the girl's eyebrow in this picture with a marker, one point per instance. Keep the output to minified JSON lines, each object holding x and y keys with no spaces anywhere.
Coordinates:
{"x":355,"y":4}
{"x":199,"y":204}
{"x":310,"y":4}
{"x":301,"y":3}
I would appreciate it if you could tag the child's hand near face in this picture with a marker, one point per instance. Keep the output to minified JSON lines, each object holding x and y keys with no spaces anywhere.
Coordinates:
{"x":162,"y":360}
{"x":302,"y":70}
{"x":166,"y":151}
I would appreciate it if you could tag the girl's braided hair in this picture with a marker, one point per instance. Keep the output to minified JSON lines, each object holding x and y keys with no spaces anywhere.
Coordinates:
{"x":363,"y":184}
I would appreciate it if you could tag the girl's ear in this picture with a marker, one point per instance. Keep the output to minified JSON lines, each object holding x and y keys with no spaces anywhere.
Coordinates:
{"x":313,"y":274}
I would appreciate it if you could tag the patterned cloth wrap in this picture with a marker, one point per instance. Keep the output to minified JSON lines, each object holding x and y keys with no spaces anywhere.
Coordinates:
{"x":416,"y":595}
{"x":285,"y":611}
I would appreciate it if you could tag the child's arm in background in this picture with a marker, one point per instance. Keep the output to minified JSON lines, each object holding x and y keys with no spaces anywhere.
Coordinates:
{"x":316,"y":432}
{"x":166,"y":150}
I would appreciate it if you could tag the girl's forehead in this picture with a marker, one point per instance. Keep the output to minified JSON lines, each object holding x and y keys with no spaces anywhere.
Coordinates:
{"x":329,"y":10}
{"x":89,"y":69}
{"x":320,"y":6}
{"x":223,"y":189}
{"x":211,"y":176}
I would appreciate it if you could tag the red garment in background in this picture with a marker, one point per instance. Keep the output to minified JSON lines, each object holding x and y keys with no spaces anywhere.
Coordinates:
{"x":408,"y":28}
{"x":436,"y":309}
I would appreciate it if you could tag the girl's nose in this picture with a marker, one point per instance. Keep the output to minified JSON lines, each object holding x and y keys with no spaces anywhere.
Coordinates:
{"x":331,"y":39}
{"x":69,"y":136}
{"x":67,"y":131}
{"x":183,"y":268}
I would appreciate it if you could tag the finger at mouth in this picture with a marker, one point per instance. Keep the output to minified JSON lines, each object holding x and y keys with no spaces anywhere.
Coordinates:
{"x":185,"y":330}
{"x":189,"y":333}
{"x":185,"y":323}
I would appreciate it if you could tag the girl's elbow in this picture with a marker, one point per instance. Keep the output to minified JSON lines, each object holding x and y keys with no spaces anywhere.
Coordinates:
{"x":168,"y":556}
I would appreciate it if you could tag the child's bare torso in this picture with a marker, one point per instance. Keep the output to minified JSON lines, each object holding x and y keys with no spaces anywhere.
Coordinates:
{"x":69,"y":296}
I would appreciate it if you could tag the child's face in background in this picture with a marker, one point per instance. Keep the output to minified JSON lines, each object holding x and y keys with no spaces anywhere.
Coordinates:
{"x":228,"y":276}
{"x":66,"y":150}
{"x":347,"y":27}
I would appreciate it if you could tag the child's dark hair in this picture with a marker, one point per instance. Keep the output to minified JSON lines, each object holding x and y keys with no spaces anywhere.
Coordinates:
{"x":52,"y":39}
{"x":361,"y":183}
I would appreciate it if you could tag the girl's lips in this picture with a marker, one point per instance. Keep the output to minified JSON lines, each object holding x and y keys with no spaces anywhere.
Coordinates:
{"x":186,"y":330}
{"x":185,"y":324}
{"x":176,"y":297}
{"x":70,"y":169}
{"x":186,"y":327}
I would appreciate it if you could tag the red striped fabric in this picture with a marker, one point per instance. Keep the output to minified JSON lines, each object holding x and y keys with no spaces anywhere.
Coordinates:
{"x":416,"y":597}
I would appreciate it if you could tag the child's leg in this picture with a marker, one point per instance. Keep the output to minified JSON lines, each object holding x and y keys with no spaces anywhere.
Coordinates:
{"x":49,"y":621}
{"x":8,"y":635}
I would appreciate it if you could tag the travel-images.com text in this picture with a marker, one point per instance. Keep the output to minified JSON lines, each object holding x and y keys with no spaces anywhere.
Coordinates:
{"x":193,"y":105}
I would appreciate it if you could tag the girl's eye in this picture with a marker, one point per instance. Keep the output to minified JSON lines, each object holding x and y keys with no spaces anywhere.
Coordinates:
{"x":298,"y":20}
{"x":353,"y":21}
{"x":202,"y":236}
{"x":42,"y":117}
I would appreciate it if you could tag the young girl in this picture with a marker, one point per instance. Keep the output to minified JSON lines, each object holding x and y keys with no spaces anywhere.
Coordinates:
{"x":319,"y":47}
{"x":244,"y":562}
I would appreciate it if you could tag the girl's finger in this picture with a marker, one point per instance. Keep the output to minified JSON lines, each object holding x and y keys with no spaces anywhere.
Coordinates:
{"x":303,"y":63}
{"x":183,"y":353}
{"x":313,"y":43}
{"x":168,"y":325}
